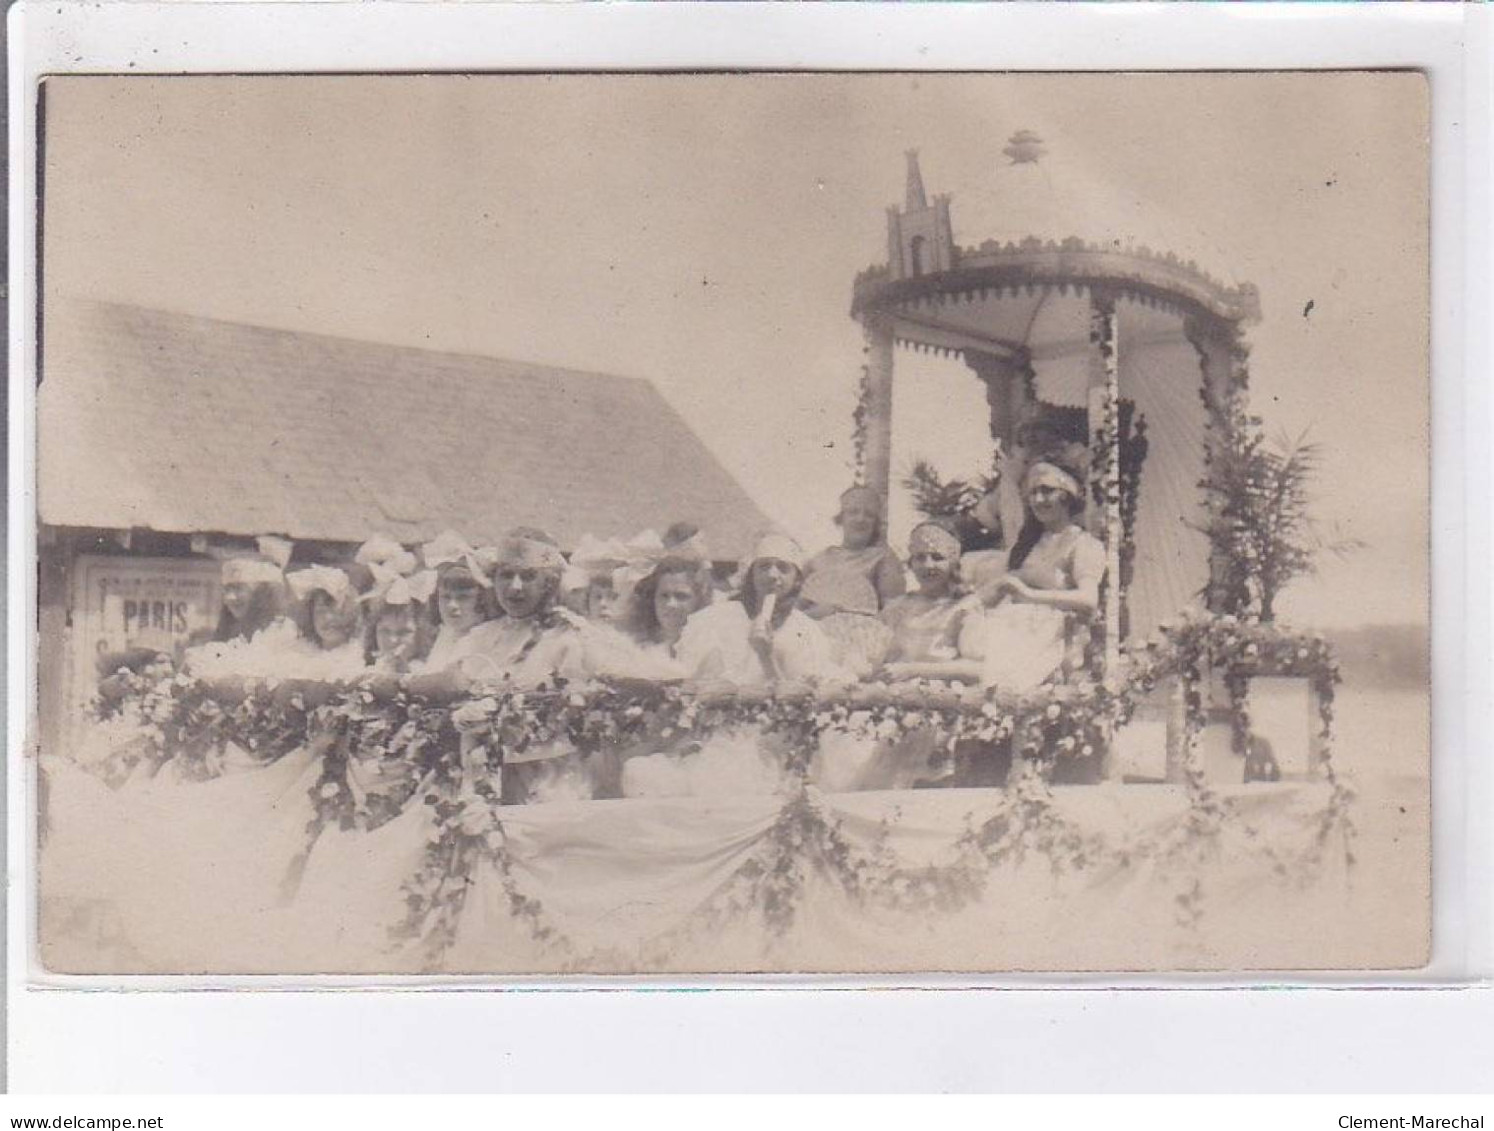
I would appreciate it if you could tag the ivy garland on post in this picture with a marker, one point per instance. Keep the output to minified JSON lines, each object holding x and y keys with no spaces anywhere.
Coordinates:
{"x":1244,"y":648}
{"x":861,"y":417}
{"x":1133,"y":450}
{"x":1225,"y":360}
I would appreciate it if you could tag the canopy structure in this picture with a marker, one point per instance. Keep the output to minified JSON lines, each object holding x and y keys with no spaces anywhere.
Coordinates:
{"x":1133,"y":356}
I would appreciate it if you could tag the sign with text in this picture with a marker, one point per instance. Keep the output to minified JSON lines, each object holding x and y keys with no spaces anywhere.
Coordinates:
{"x":126,"y":603}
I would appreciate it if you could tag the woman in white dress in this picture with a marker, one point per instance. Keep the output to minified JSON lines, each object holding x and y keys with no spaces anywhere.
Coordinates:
{"x":758,"y":638}
{"x":662,"y":604}
{"x":926,"y":630}
{"x":331,"y":623}
{"x":536,"y":642}
{"x":665,"y":600}
{"x":464,"y":606}
{"x":254,"y":634}
{"x":1052,"y":583}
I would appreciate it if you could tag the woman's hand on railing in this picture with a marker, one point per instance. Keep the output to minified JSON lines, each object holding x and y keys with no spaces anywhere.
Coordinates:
{"x":794,"y":689}
{"x":311,"y":692}
{"x":959,"y":671}
{"x":710,"y":691}
{"x":439,"y":687}
{"x":229,"y":688}
{"x":381,"y":685}
{"x":116,"y":688}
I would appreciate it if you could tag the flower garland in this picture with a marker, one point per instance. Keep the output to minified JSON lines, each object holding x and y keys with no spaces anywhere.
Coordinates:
{"x":192,"y":722}
{"x":466,"y":833}
{"x":381,"y":752}
{"x":1242,"y":649}
{"x":196,"y":725}
{"x":773,"y":883}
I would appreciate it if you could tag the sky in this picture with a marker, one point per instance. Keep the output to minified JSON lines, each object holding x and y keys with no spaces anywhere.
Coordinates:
{"x":704,"y":232}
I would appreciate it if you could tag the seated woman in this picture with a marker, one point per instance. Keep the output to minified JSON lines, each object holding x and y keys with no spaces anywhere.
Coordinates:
{"x":846,"y":608}
{"x":863,"y":553}
{"x":663,"y":603}
{"x":1054,"y":573}
{"x":926,"y":624}
{"x":925,"y":627}
{"x":253,"y":641}
{"x":254,"y":636}
{"x":685,"y":539}
{"x":757,"y":638}
{"x":252,"y":628}
{"x":536,"y":640}
{"x":760,"y":636}
{"x":464,"y":606}
{"x":330,"y":619}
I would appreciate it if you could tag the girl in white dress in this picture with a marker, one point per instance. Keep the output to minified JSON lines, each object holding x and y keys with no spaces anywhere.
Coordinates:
{"x":331,"y":623}
{"x":254,"y":634}
{"x":663,"y":603}
{"x":1052,"y":582}
{"x":926,"y":630}
{"x":465,"y":607}
{"x":755,"y":639}
{"x":760,"y":636}
{"x":927,"y":624}
{"x":346,"y":883}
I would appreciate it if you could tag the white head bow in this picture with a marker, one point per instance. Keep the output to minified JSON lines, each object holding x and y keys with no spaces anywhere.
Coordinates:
{"x":450,"y":549}
{"x":385,"y":551}
{"x":251,"y":571}
{"x":391,"y":587}
{"x":320,"y":579}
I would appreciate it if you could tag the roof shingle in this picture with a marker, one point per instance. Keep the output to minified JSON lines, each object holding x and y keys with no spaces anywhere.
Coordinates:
{"x":177,"y":423}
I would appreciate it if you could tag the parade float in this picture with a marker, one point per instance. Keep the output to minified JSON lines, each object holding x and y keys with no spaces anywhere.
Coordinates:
{"x":1082,"y":859}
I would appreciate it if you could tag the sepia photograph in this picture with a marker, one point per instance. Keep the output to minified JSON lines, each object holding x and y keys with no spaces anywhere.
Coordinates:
{"x":670,"y":525}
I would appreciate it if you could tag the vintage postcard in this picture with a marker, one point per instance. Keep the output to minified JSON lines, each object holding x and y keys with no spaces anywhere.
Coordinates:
{"x":685,"y":524}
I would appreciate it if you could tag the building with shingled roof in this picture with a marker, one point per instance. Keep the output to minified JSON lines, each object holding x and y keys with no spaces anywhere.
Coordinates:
{"x":161,"y":435}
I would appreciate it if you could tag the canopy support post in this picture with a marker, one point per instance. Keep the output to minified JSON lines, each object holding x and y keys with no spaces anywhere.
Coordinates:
{"x":1104,"y":481}
{"x":1104,"y":469}
{"x":1223,"y":360}
{"x":877,"y":458}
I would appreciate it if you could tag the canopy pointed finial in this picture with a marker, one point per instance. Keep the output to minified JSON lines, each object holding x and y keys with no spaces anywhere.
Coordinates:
{"x":915,"y":195}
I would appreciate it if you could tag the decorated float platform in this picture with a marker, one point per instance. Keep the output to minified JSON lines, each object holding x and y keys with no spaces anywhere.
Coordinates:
{"x":301,"y":828}
{"x":1132,"y":814}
